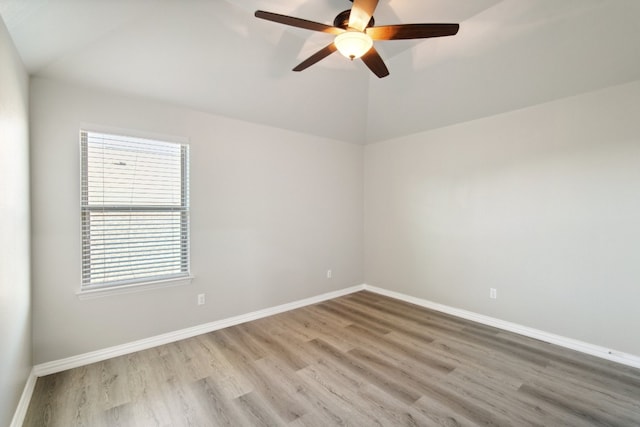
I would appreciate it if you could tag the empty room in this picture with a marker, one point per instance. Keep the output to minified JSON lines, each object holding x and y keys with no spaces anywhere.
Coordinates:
{"x":322,"y":212}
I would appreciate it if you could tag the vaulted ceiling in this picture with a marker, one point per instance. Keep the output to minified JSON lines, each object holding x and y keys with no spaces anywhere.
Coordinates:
{"x":215,"y":56}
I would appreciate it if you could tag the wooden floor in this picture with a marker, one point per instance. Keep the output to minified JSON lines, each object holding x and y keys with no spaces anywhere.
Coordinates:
{"x":361,"y":360}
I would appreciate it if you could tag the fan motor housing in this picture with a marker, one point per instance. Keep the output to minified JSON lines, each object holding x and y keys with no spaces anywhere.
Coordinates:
{"x":342,"y":20}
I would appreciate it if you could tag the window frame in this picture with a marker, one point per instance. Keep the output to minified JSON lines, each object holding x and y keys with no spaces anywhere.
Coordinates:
{"x":88,"y":289}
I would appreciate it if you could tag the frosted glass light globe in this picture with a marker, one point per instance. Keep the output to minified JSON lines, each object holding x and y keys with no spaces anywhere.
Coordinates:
{"x":353,"y":44}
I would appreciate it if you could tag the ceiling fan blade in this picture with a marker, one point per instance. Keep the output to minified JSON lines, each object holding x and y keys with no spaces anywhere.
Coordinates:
{"x":361,"y":13}
{"x":375,"y":63}
{"x":319,"y":55}
{"x":412,"y":31}
{"x":298,"y":22}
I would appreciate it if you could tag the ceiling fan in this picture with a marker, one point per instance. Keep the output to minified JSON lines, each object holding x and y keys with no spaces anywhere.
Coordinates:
{"x":355,"y":32}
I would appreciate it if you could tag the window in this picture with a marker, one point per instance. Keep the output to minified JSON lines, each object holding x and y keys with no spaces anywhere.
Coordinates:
{"x":135,"y":210}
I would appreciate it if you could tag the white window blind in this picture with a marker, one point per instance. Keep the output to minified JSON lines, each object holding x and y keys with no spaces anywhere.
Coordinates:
{"x":135,"y":210}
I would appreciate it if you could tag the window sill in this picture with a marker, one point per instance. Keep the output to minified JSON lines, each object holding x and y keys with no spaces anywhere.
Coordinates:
{"x":137,"y":287}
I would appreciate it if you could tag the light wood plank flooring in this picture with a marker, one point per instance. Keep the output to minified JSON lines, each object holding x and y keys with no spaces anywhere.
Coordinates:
{"x":362,"y":360}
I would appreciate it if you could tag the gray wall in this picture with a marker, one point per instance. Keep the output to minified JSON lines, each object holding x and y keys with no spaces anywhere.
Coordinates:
{"x":15,"y":292}
{"x":272,"y":210}
{"x":541,"y":203}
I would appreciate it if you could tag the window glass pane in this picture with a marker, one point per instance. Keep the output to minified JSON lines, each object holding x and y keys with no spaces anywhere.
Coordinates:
{"x":133,"y":171}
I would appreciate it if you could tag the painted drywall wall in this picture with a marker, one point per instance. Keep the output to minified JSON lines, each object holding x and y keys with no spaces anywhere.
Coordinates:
{"x":541,"y":204}
{"x":15,"y":287}
{"x":271,"y":211}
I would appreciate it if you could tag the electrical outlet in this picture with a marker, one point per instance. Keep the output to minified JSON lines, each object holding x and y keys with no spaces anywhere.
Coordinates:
{"x":493,"y":293}
{"x":200,"y":299}
{"x":329,"y":274}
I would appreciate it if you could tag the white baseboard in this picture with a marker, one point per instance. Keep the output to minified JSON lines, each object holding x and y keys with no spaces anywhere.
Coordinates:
{"x":146,"y":343}
{"x":583,"y":347}
{"x":25,"y":399}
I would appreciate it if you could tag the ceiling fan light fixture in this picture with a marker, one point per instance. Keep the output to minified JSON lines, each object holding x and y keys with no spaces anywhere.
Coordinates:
{"x":353,"y":44}
{"x":354,"y":32}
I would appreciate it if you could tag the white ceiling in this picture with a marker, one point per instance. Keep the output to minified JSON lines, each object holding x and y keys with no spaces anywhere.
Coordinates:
{"x":215,"y":56}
